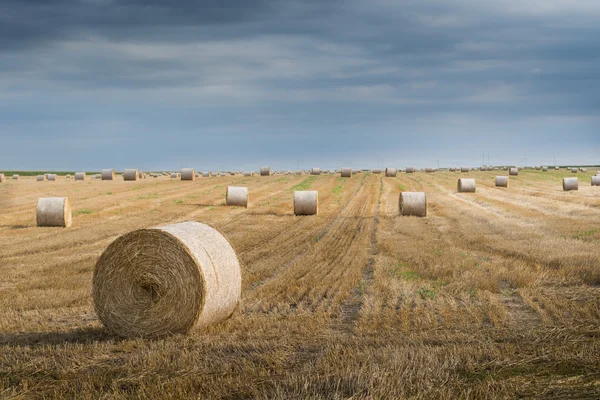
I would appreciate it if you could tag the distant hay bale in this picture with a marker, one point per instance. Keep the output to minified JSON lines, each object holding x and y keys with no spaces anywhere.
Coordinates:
{"x":306,"y":202}
{"x":413,"y":203}
{"x":410,"y":170}
{"x":108,"y":174}
{"x":54,"y":211}
{"x":80,"y":176}
{"x":583,"y":169}
{"x":346,"y":172}
{"x":556,"y":168}
{"x":298,"y":172}
{"x":188,"y":174}
{"x":130,"y":175}
{"x":237,"y":196}
{"x":544,"y":169}
{"x":429,"y":170}
{"x":596,"y":180}
{"x":574,"y":170}
{"x":40,"y":178}
{"x":265,"y":171}
{"x":464,"y":169}
{"x":16,"y":177}
{"x":166,"y":280}
{"x":376,"y":171}
{"x":247,"y":173}
{"x":52,"y":177}
{"x":502,"y":181}
{"x":513,"y":171}
{"x":315,"y":171}
{"x":466,"y":185}
{"x":2,"y":178}
{"x":391,"y":172}
{"x":174,"y":175}
{"x":570,"y":184}
{"x":68,"y":176}
{"x":206,"y":174}
{"x":141,"y":174}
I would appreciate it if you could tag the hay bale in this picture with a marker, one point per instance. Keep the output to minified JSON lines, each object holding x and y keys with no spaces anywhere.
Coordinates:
{"x":16,"y":177}
{"x":247,"y":173}
{"x":306,"y":202}
{"x":513,"y":171}
{"x":544,"y":169}
{"x":174,"y":175}
{"x":596,"y":180}
{"x":466,"y":185}
{"x":346,"y":172}
{"x":410,"y":170}
{"x":413,"y":203}
{"x":53,"y":211}
{"x":391,"y":172}
{"x":502,"y":181}
{"x":429,"y":170}
{"x":2,"y":178}
{"x":52,"y":177}
{"x":237,"y":196}
{"x":298,"y":172}
{"x":315,"y":171}
{"x":570,"y":184}
{"x":80,"y":176}
{"x":265,"y":171}
{"x":464,"y":169}
{"x":130,"y":175}
{"x":376,"y":171}
{"x":142,"y":174}
{"x":583,"y":170}
{"x":188,"y":174}
{"x":108,"y":174}
{"x":166,"y":280}
{"x":206,"y":174}
{"x":574,"y":170}
{"x":40,"y":178}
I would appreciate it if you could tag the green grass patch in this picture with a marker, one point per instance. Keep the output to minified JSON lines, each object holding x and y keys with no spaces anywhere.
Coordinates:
{"x":178,"y":201}
{"x":585,"y":235}
{"x":84,"y":211}
{"x":426,"y":293}
{"x":148,"y":196}
{"x":305,"y":184}
{"x":402,"y":187}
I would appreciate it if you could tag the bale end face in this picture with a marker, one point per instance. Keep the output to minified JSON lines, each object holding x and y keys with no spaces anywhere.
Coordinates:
{"x":306,"y":202}
{"x":390,"y":172}
{"x":413,"y":204}
{"x":54,"y":211}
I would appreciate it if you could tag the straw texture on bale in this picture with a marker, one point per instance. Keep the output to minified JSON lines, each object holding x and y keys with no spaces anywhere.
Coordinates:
{"x":413,"y":203}
{"x":376,"y":171}
{"x":237,"y":196}
{"x":108,"y":174}
{"x":544,"y":169}
{"x":346,"y":172}
{"x":306,"y":202}
{"x":391,"y":172}
{"x":502,"y":181}
{"x":570,"y":184}
{"x":40,"y":178}
{"x":596,"y":180}
{"x":247,"y":173}
{"x":2,"y":178}
{"x":53,"y":211}
{"x":574,"y":170}
{"x":130,"y":175}
{"x":466,"y":185}
{"x":206,"y":174}
{"x":166,"y":280}
{"x":464,"y":169}
{"x":410,"y":170}
{"x":513,"y":171}
{"x":429,"y":170}
{"x":174,"y":175}
{"x":265,"y":171}
{"x":315,"y":171}
{"x":15,"y":176}
{"x":52,"y":177}
{"x":188,"y":174}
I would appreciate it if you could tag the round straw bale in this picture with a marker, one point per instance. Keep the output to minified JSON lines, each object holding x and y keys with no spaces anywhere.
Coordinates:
{"x":15,"y":176}
{"x":556,"y":168}
{"x":130,"y":175}
{"x":52,"y":177}
{"x":174,"y":175}
{"x":265,"y":171}
{"x":188,"y":174}
{"x":237,"y":196}
{"x":464,"y":169}
{"x":513,"y":171}
{"x":502,"y":181}
{"x":315,"y":171}
{"x":570,"y":184}
{"x":40,"y":178}
{"x":108,"y":174}
{"x":206,"y":174}
{"x":166,"y":280}
{"x":306,"y":202}
{"x":141,"y":174}
{"x":410,"y":170}
{"x":2,"y":178}
{"x":376,"y":171}
{"x":466,"y":185}
{"x":596,"y":180}
{"x":583,"y":169}
{"x":413,"y":203}
{"x":544,"y":169}
{"x":574,"y":170}
{"x":391,"y":172}
{"x":298,"y":172}
{"x":247,"y":173}
{"x":53,"y":211}
{"x":80,"y":176}
{"x":429,"y":170}
{"x":346,"y":172}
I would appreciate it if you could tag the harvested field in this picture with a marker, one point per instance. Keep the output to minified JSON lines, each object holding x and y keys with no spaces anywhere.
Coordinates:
{"x":495,"y":294}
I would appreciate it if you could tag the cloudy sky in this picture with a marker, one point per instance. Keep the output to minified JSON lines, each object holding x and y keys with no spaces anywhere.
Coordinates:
{"x":220,"y":84}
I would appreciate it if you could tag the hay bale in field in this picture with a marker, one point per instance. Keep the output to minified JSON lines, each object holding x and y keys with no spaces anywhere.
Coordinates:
{"x":544,"y":169}
{"x":40,"y":178}
{"x":206,"y":174}
{"x":68,"y":176}
{"x":237,"y":196}
{"x":108,"y":174}
{"x":391,"y":172}
{"x":410,"y":170}
{"x":556,"y":168}
{"x":298,"y":172}
{"x":570,"y":184}
{"x":306,"y":202}
{"x":16,"y":177}
{"x":502,"y":181}
{"x":53,"y":211}
{"x":465,"y":185}
{"x":574,"y":170}
{"x":376,"y":171}
{"x":174,"y":175}
{"x":583,"y":170}
{"x":130,"y":175}
{"x":2,"y":178}
{"x":413,"y":203}
{"x":464,"y":169}
{"x":429,"y":170}
{"x":265,"y":171}
{"x":596,"y":180}
{"x":346,"y":172}
{"x":247,"y":173}
{"x":141,"y":174}
{"x":52,"y":177}
{"x":513,"y":171}
{"x":166,"y":280}
{"x":188,"y":174}
{"x":315,"y":171}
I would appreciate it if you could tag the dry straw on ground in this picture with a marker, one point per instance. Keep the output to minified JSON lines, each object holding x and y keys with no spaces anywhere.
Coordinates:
{"x":130,"y":175}
{"x":166,"y":280}
{"x":53,"y":211}
{"x":413,"y":203}
{"x":237,"y":196}
{"x":188,"y":174}
{"x":502,"y":181}
{"x":306,"y":202}
{"x":570,"y":184}
{"x":390,"y":172}
{"x":108,"y":174}
{"x":466,"y":185}
{"x":346,"y":172}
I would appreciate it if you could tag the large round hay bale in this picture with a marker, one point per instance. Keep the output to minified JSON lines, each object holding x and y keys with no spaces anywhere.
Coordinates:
{"x":391,"y":172}
{"x":237,"y":196}
{"x":247,"y":173}
{"x":166,"y":280}
{"x":429,"y":170}
{"x":298,"y":172}
{"x":583,"y":169}
{"x":2,"y":178}
{"x":108,"y":174}
{"x":306,"y":202}
{"x":315,"y":171}
{"x":466,"y":185}
{"x":464,"y":169}
{"x":413,"y":203}
{"x":596,"y":180}
{"x":574,"y":170}
{"x":265,"y":171}
{"x":544,"y":169}
{"x":502,"y":181}
{"x":410,"y":170}
{"x":53,"y":211}
{"x":174,"y":175}
{"x":188,"y":174}
{"x":141,"y":174}
{"x":40,"y":178}
{"x":513,"y":171}
{"x":130,"y":175}
{"x":16,"y":177}
{"x":80,"y":176}
{"x":206,"y":174}
{"x":346,"y":172}
{"x":52,"y":177}
{"x":376,"y":171}
{"x":570,"y":184}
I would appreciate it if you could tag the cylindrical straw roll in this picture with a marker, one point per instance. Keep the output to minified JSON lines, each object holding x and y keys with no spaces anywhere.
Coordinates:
{"x":544,"y":169}
{"x":40,"y":178}
{"x":306,"y":202}
{"x":596,"y":180}
{"x":429,"y":170}
{"x":413,"y":203}
{"x":108,"y":174}
{"x":52,"y":177}
{"x":247,"y":173}
{"x":237,"y":196}
{"x":346,"y":172}
{"x":16,"y":177}
{"x":583,"y":169}
{"x":166,"y":280}
{"x":265,"y":171}
{"x":377,"y":171}
{"x":410,"y":170}
{"x":315,"y":171}
{"x":188,"y":174}
{"x":174,"y":175}
{"x":130,"y":175}
{"x":464,"y":169}
{"x":570,"y":184}
{"x":513,"y":171}
{"x":2,"y":178}
{"x":53,"y":211}
{"x":206,"y":174}
{"x":502,"y":181}
{"x":466,"y":185}
{"x":574,"y":170}
{"x":391,"y":172}
{"x":298,"y":172}
{"x":141,"y":174}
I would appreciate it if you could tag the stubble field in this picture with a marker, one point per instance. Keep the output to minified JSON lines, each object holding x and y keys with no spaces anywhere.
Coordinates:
{"x":494,"y":294}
